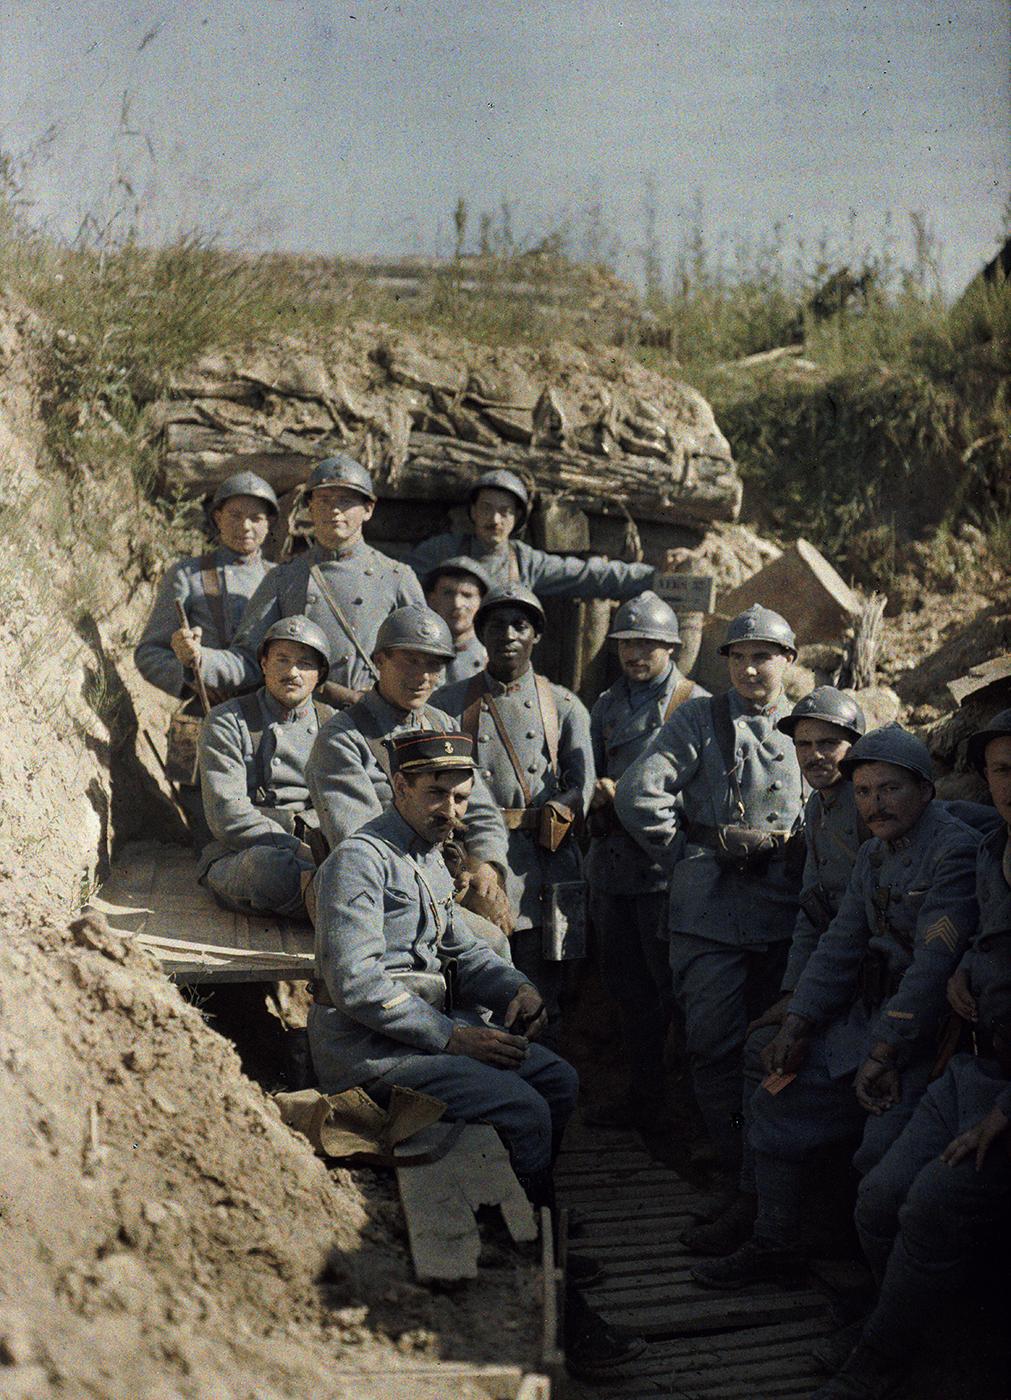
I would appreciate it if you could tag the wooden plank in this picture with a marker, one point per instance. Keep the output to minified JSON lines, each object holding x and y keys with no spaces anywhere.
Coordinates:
{"x":981,"y":677}
{"x":687,"y":592}
{"x":439,"y":1201}
{"x":688,"y":1316}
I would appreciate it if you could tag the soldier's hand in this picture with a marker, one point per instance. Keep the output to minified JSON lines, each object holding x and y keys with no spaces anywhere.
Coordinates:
{"x":484,"y":881}
{"x":960,"y":999}
{"x":341,"y":697}
{"x":978,"y":1139}
{"x":775,"y":1016}
{"x":877,"y":1086}
{"x":527,"y":1012}
{"x":185,"y":644}
{"x":603,"y":792}
{"x":788,"y":1050}
{"x":488,"y":1045}
{"x":303,"y":852}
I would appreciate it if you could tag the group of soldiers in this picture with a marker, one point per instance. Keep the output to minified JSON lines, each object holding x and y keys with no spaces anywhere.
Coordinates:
{"x":769,"y":881}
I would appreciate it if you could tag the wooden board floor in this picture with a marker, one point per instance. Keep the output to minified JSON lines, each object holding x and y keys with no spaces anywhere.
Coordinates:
{"x":153,"y":894}
{"x":630,"y":1210}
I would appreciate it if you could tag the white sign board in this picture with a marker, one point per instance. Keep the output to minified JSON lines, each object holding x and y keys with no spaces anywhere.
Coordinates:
{"x":687,"y":592}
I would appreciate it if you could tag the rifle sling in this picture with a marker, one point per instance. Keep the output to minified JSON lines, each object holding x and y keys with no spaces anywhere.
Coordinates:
{"x":723,"y":729}
{"x":342,"y":619}
{"x":213,"y":586}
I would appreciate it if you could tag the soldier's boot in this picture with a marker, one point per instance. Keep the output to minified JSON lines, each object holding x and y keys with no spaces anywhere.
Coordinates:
{"x":754,"y":1262}
{"x":727,"y":1231}
{"x":830,"y":1354}
{"x":594,"y":1349}
{"x":581,"y":1270}
{"x":867,"y":1375}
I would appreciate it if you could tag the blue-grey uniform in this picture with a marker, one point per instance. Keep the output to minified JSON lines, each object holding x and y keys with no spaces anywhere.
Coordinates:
{"x":349,"y":782}
{"x":547,"y":575}
{"x":878,"y":974}
{"x":253,"y":794}
{"x":366,"y":585}
{"x":729,"y":930}
{"x":530,"y":868}
{"x":471,"y":658}
{"x":385,"y":926}
{"x":992,"y":944}
{"x":238,"y":577}
{"x":628,"y":890}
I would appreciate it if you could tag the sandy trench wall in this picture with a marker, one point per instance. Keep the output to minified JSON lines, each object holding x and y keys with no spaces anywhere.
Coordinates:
{"x":163,"y":1234}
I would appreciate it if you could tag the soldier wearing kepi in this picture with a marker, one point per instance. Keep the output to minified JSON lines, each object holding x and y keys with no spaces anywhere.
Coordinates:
{"x":534,"y":752}
{"x":499,"y":506}
{"x":253,"y":753}
{"x":348,"y":772}
{"x":213,"y":589}
{"x":628,"y":890}
{"x":716,"y":799}
{"x":341,"y":584}
{"x":824,"y":727}
{"x":454,"y":589}
{"x":926,"y":1213}
{"x":869,"y":1001}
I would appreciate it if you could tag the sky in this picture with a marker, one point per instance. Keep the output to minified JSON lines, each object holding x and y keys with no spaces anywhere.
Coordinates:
{"x":354,"y":128}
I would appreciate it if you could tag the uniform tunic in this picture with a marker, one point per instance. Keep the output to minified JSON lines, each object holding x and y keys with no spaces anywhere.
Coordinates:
{"x":367,"y":585}
{"x":470,"y":658}
{"x":993,"y":940}
{"x":239,"y":575}
{"x":241,"y":789}
{"x":384,"y":906}
{"x":547,"y":575}
{"x":529,"y":867}
{"x":833,"y":833}
{"x":684,"y":761}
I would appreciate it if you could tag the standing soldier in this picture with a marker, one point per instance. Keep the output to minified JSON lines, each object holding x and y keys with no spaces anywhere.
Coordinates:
{"x":868,"y":1004}
{"x":628,"y":890}
{"x":499,"y":505}
{"x":341,"y":584}
{"x":736,"y":874}
{"x":253,"y":753}
{"x":213,"y":589}
{"x":533,"y":749}
{"x":454,"y":589}
{"x":824,"y":727}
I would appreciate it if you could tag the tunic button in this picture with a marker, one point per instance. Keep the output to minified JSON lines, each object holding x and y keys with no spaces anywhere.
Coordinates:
{"x":482,"y":738}
{"x":774,"y":787}
{"x":773,"y":816}
{"x":358,"y":600}
{"x":342,"y":661}
{"x":528,"y":704}
{"x":312,"y":598}
{"x":531,"y":734}
{"x":486,"y":772}
{"x":366,"y":571}
{"x":531,"y":767}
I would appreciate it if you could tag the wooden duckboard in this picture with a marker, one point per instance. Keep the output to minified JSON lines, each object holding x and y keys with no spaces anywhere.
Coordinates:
{"x":153,"y":894}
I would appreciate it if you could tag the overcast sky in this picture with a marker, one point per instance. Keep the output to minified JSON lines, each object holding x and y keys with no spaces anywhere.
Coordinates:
{"x":355,"y":127}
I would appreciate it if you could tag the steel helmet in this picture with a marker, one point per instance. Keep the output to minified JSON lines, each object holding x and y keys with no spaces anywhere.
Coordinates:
{"x":502,"y":480}
{"x":648,"y":617}
{"x":831,"y":705}
{"x":458,"y":564}
{"x":298,"y":628}
{"x":510,"y":595}
{"x":760,"y":624}
{"x":244,"y":484}
{"x":890,"y":744}
{"x":415,"y":628}
{"x":998,"y":728}
{"x":341,"y":470}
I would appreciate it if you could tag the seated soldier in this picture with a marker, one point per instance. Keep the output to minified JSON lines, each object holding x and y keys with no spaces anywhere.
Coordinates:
{"x":824,"y":727}
{"x":499,"y":505}
{"x":212,"y":588}
{"x":341,"y":584}
{"x":348,"y":770}
{"x":870,"y":999}
{"x":628,"y":891}
{"x":942,"y":1192}
{"x":454,"y":589}
{"x":534,"y":752}
{"x":253,"y":752}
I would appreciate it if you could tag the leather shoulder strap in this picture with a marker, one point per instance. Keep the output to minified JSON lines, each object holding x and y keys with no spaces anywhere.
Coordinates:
{"x":549,"y":719}
{"x":252,"y":718}
{"x":514,"y":565}
{"x":365,"y":722}
{"x":471,"y":717}
{"x":210,"y":578}
{"x":343,"y":621}
{"x":323,"y":712}
{"x":488,"y":700}
{"x":681,"y":692}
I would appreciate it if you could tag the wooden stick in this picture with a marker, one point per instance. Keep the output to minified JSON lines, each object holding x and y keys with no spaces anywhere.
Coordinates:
{"x":201,"y":688}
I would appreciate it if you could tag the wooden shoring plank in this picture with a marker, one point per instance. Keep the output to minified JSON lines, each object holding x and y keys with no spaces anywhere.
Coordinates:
{"x":632,"y":1214}
{"x":659,"y":1360}
{"x":800,"y":1333}
{"x":667,"y":1232}
{"x":628,"y":1165}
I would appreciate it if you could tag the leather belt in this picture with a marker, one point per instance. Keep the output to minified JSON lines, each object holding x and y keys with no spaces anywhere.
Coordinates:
{"x":522,"y":818}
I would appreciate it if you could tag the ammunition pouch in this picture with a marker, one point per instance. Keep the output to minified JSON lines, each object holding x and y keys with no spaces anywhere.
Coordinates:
{"x":815,"y":904}
{"x":522,"y":818}
{"x":556,"y":821}
{"x":876,"y":981}
{"x":743,"y":849}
